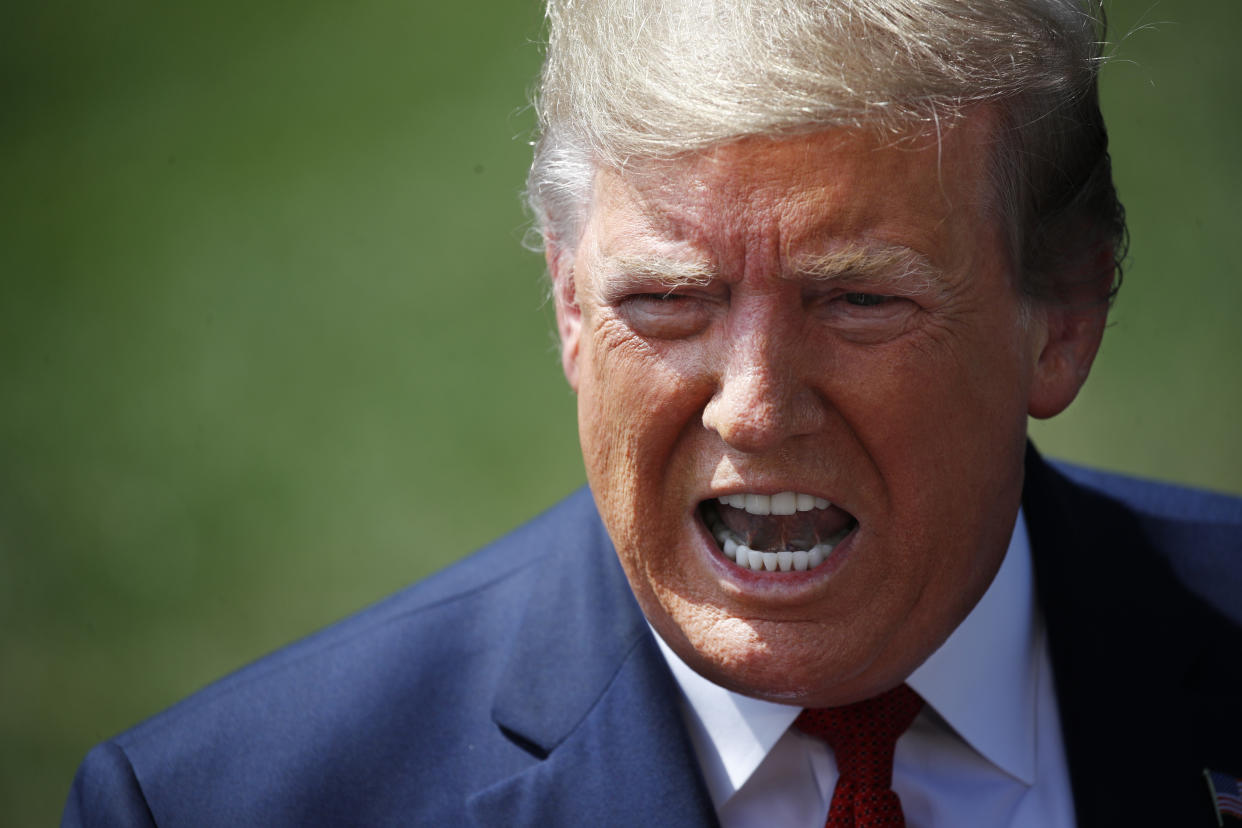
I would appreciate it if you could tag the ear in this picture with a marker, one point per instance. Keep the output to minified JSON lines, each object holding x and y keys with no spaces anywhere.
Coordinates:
{"x":568,"y":314}
{"x":1073,"y":336}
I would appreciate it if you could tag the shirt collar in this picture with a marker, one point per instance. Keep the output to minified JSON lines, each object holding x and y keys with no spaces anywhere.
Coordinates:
{"x":982,"y":681}
{"x":731,"y":733}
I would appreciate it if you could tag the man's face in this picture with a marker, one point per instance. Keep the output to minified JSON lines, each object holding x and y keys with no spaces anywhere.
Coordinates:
{"x":826,"y":315}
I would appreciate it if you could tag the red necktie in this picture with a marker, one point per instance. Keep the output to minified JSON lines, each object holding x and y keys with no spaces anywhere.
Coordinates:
{"x":862,"y":736}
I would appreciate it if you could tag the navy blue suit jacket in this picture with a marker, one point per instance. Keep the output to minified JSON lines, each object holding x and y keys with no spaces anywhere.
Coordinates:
{"x":523,"y":687}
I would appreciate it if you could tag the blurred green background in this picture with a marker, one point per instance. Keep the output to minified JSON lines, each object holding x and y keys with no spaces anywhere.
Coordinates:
{"x":271,"y":347}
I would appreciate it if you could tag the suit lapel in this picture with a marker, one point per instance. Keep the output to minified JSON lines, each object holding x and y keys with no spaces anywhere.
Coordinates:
{"x":1121,"y":631}
{"x":587,"y":693}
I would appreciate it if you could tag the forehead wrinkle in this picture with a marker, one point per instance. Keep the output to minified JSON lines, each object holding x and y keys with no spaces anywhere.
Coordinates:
{"x":626,"y":221}
{"x":694,"y":202}
{"x":897,"y":269}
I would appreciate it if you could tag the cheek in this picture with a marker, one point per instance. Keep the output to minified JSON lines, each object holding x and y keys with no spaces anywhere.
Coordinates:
{"x":949,"y":378}
{"x":637,"y":390}
{"x":942,"y":418}
{"x":635,"y":403}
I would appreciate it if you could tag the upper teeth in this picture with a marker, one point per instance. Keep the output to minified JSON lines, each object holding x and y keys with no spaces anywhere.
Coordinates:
{"x":785,"y":503}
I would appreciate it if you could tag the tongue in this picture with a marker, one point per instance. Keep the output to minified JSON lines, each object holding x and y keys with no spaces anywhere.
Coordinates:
{"x":773,"y":533}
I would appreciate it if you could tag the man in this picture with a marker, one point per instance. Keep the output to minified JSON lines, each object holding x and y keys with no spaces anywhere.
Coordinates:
{"x":814,"y":265}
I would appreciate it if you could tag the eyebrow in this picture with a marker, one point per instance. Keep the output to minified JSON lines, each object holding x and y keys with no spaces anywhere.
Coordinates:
{"x":895,"y":269}
{"x":619,"y":275}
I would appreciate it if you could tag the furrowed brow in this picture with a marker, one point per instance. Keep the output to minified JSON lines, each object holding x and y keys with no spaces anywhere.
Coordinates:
{"x":890,"y":269}
{"x":617,"y":276}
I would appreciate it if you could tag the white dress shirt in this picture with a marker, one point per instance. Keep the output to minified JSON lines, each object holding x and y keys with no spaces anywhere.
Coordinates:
{"x":985,"y":751}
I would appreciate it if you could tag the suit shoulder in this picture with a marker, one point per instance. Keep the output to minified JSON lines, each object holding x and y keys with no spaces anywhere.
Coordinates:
{"x":1197,"y":533}
{"x":484,"y":586}
{"x":485,"y":576}
{"x":1159,"y":499}
{"x":402,"y":688}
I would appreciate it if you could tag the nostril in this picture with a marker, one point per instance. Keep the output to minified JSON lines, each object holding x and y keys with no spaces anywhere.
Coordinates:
{"x":745,"y":428}
{"x":759,"y":415}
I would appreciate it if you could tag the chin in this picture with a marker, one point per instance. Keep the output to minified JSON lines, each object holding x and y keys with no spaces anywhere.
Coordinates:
{"x":779,"y":661}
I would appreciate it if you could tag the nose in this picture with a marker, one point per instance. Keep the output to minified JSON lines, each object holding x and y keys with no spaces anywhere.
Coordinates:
{"x":764,"y":396}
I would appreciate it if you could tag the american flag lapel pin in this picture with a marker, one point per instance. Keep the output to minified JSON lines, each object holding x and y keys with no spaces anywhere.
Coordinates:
{"x":1226,"y":794}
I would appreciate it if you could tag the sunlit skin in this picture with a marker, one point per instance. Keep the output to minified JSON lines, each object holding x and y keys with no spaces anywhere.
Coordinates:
{"x":833,"y":314}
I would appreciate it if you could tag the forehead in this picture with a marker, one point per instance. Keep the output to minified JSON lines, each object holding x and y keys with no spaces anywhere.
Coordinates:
{"x":776,"y":200}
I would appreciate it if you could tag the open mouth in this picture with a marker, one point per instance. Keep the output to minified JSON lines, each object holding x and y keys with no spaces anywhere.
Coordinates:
{"x":786,"y":532}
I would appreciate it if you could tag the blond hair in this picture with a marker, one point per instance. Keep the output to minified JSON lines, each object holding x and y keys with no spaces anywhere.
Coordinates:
{"x":626,"y":80}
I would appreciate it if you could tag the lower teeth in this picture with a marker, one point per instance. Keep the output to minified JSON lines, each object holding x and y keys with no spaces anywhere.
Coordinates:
{"x":798,"y":560}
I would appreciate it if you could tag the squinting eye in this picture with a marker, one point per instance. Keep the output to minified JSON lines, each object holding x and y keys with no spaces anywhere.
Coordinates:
{"x":664,"y":315}
{"x":866,"y":318}
{"x":656,"y":302}
{"x":866,"y":300}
